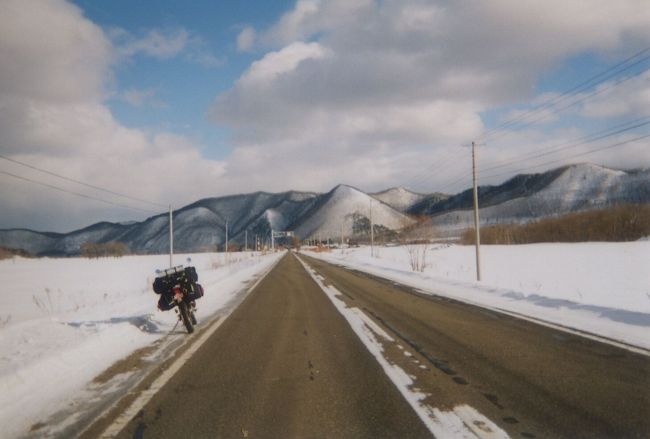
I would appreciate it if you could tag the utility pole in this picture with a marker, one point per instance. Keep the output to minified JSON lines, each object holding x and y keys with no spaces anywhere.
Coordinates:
{"x":171,"y":238}
{"x":477,"y":225}
{"x":245,"y":240}
{"x":272,"y":241}
{"x":227,"y":259}
{"x":372,"y":233}
{"x":341,"y":236}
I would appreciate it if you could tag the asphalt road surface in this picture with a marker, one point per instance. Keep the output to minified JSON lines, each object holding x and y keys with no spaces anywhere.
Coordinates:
{"x":531,"y":380}
{"x":286,"y":364}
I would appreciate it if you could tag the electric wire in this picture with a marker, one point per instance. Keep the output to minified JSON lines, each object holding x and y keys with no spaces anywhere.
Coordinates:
{"x":520,"y":121}
{"x":440,"y":167}
{"x":581,"y":99}
{"x":75,"y":193}
{"x":589,"y":138}
{"x":581,"y":154}
{"x":591,"y":82}
{"x":486,"y":175}
{"x":63,"y":177}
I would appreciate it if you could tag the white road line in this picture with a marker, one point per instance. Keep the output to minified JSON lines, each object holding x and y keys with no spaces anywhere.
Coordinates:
{"x":125,"y":417}
{"x":463,"y":422}
{"x":517,"y":315}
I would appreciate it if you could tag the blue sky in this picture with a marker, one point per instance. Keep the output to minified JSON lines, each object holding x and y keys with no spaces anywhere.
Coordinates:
{"x":172,"y":101}
{"x":183,"y":89}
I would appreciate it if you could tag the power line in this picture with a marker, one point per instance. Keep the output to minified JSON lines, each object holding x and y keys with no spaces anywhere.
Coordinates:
{"x":439,"y":167}
{"x":589,"y":138}
{"x":571,"y":104}
{"x":578,"y":142}
{"x":591,"y":82}
{"x":45,"y":171}
{"x":74,"y":193}
{"x":467,"y":176}
{"x":615,"y":145}
{"x":595,"y":80}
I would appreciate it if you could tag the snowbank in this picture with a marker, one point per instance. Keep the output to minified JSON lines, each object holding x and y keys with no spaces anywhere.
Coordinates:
{"x":63,"y":321}
{"x":601,"y":288}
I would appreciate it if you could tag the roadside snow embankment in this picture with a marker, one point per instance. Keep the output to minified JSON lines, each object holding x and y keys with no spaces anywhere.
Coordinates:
{"x":64,"y":321}
{"x":600,"y":288}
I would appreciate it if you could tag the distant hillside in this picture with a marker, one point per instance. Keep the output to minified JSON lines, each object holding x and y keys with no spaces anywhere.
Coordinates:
{"x":399,"y":198}
{"x":343,"y":210}
{"x":201,"y":225}
{"x":533,"y":196}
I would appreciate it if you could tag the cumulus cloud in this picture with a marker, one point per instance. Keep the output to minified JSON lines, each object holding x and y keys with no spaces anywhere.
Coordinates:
{"x":155,"y":43}
{"x":393,"y":84}
{"x":273,"y":65}
{"x":366,"y":92}
{"x":164,"y":44}
{"x":246,"y":39}
{"x":631,"y":98}
{"x":53,"y":77}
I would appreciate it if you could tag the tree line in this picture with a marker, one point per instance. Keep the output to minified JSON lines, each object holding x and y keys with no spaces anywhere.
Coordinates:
{"x":628,"y":222}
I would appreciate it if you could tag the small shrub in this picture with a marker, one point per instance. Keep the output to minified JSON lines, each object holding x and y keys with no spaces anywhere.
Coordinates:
{"x":104,"y":250}
{"x":417,"y":256}
{"x":8,"y":253}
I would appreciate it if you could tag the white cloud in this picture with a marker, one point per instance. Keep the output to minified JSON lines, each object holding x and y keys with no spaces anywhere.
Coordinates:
{"x":205,"y":59}
{"x":141,"y":98}
{"x":274,"y":64}
{"x":155,"y":43}
{"x":164,"y":44}
{"x":615,"y":99}
{"x":365,"y":92}
{"x":55,"y":66}
{"x":399,"y":82}
{"x":312,"y":16}
{"x":246,"y":39}
{"x":33,"y":36}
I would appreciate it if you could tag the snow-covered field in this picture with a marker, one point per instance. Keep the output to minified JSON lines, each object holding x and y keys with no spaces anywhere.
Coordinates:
{"x":64,"y":321}
{"x":600,"y":288}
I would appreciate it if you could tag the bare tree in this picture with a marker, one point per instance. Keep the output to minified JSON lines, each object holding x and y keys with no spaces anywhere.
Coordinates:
{"x":416,"y":240}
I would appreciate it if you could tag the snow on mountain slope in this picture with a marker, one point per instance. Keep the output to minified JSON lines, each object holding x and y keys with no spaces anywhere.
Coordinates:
{"x":257,"y":212}
{"x":582,"y":184}
{"x":196,"y":229}
{"x":399,"y":198}
{"x":201,"y":225}
{"x":569,"y":189}
{"x":276,"y":220}
{"x":29,"y":240}
{"x":336,"y":211}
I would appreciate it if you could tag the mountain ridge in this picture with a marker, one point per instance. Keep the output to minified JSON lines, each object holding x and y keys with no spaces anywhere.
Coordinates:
{"x":345,"y":209}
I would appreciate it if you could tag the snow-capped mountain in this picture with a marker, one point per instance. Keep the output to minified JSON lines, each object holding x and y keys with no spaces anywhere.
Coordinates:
{"x":201,"y":225}
{"x":399,"y":198}
{"x":532,"y":196}
{"x":346,"y":210}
